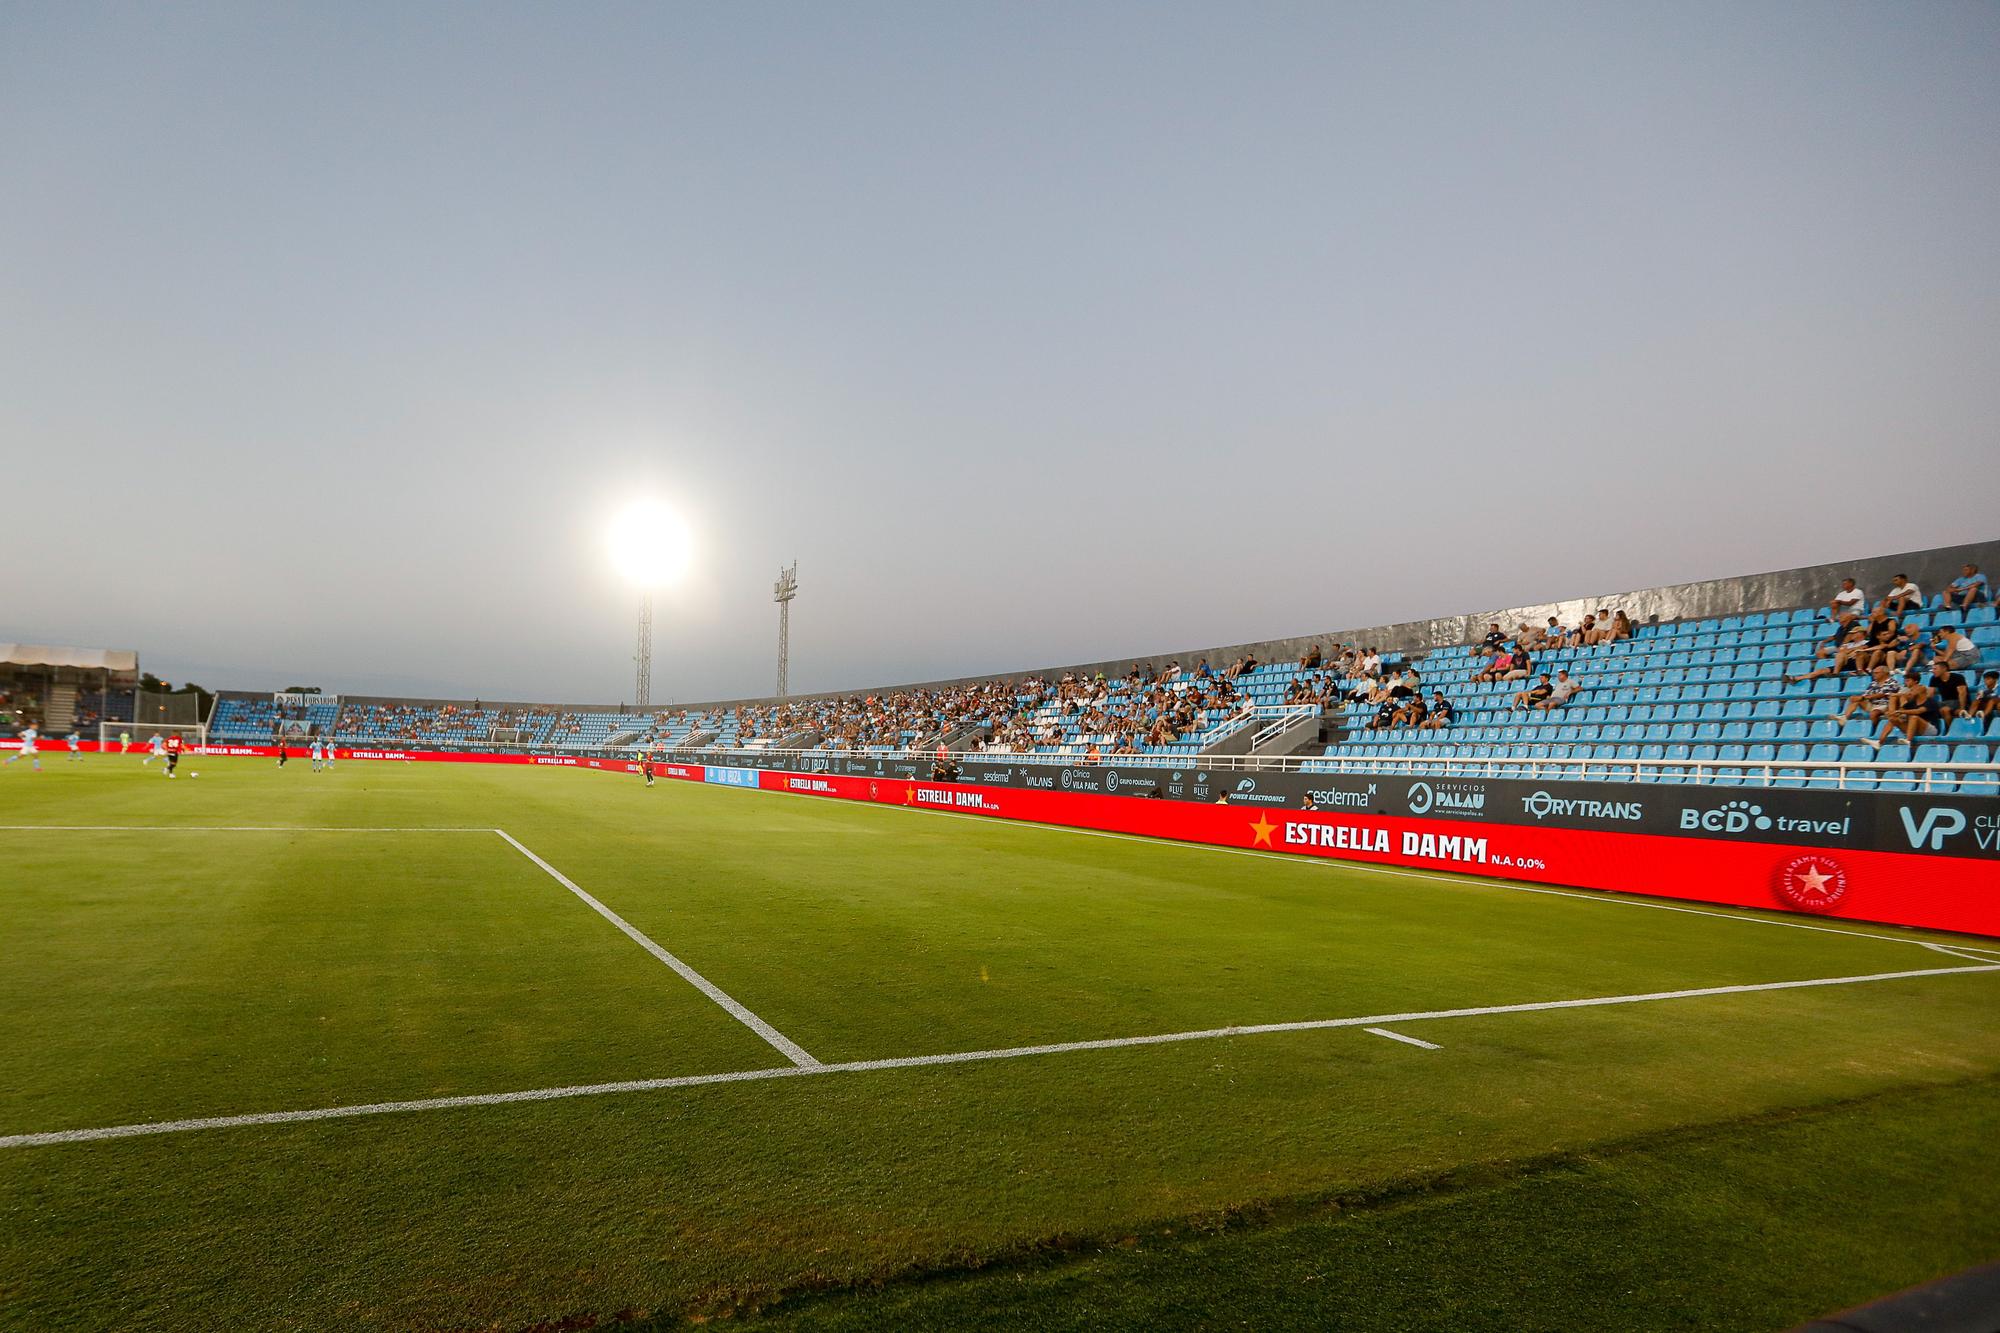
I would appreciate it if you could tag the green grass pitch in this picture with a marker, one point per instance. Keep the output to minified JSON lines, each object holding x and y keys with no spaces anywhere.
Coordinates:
{"x":256,"y":941}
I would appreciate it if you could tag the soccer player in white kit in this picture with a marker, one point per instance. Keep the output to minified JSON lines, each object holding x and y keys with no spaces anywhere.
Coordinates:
{"x":159,"y":750}
{"x":28,"y":750}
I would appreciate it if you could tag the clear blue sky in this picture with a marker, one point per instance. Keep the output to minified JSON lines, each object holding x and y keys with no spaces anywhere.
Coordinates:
{"x":1036,"y":332}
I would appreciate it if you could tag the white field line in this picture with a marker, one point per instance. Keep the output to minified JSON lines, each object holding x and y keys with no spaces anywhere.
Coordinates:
{"x":1407,"y":1041}
{"x":784,"y":1045}
{"x":1607,"y":897}
{"x":918,"y":1061}
{"x":236,"y":828}
{"x":1983,"y":956}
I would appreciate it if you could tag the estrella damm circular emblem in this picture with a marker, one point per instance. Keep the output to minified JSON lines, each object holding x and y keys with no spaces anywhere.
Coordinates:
{"x":1811,"y":883}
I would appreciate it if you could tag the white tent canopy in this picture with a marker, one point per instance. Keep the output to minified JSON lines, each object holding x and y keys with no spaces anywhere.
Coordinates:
{"x":121,"y":660}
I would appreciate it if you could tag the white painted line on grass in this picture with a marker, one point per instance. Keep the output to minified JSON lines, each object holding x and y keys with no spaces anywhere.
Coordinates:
{"x":1369,"y":1021}
{"x":1407,"y":1041}
{"x":236,"y":828}
{"x":1607,"y":897}
{"x":790,"y":1049}
{"x":1980,"y":956}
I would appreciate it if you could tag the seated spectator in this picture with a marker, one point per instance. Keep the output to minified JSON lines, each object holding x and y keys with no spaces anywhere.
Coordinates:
{"x":1535,"y":694}
{"x":1903,"y":597}
{"x":1956,"y":649}
{"x":1496,"y":669}
{"x":1523,"y":666}
{"x":1986,"y":702}
{"x":1311,"y":660}
{"x":1916,"y":712}
{"x":1584,"y":634}
{"x":1950,"y":688}
{"x":1877,"y":697}
{"x":1494,"y":643}
{"x":1621,"y":627}
{"x":1849,"y":598}
{"x":1412,"y":713}
{"x":1967,"y":590}
{"x":1601,"y":629}
{"x":1849,"y":636}
{"x":1564,"y":688}
{"x":1552,"y":633}
{"x":1442,"y":714}
{"x":1385,"y":716}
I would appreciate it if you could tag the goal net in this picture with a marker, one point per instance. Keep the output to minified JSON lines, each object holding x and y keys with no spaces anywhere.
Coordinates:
{"x":140,"y":734}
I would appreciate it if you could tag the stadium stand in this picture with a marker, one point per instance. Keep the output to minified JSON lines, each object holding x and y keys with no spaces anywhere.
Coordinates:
{"x":1778,"y":696}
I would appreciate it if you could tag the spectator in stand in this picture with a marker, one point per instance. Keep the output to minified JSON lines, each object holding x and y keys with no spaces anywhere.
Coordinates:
{"x":1494,"y":643}
{"x":1537,"y":694}
{"x":1497,"y":670}
{"x":1564,"y":688}
{"x":1311,"y":659}
{"x":1412,"y":713}
{"x":1848,"y":630}
{"x":1987,"y":702}
{"x":1849,"y":598}
{"x":1584,"y":634}
{"x":1956,"y":648}
{"x":1954,"y":696}
{"x":1967,"y":590}
{"x":1602,"y":631}
{"x":1916,"y":712}
{"x":1904,"y":596}
{"x":1877,"y":697}
{"x":1442,"y":714}
{"x":1523,"y":665}
{"x":1621,"y":627}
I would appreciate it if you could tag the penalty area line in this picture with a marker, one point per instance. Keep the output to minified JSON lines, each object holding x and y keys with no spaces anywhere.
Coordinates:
{"x":1407,"y":1041}
{"x":784,"y":1045}
{"x":1373,"y":1023}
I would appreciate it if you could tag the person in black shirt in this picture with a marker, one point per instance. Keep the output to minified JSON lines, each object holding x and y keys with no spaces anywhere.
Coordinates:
{"x":1949,"y":689}
{"x":1442,"y":714}
{"x":1493,"y":642}
{"x":1535,"y":693}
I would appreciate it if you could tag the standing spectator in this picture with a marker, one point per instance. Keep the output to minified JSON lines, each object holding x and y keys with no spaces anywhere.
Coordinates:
{"x":1966,"y":590}
{"x":1849,"y":598}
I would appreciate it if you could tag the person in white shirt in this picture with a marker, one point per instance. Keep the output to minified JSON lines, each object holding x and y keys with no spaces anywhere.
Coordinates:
{"x":1904,"y":596}
{"x":1953,"y":648}
{"x":1849,"y":598}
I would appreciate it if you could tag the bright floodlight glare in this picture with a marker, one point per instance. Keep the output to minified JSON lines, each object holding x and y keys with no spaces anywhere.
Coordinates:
{"x":649,"y":544}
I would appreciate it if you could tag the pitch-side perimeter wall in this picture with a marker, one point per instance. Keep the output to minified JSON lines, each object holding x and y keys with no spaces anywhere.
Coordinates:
{"x":1902,"y":858}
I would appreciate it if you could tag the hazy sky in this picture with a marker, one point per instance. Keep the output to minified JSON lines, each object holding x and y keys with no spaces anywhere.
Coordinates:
{"x":330,"y":334}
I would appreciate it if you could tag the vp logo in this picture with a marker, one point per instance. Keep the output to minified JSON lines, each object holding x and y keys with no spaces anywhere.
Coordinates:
{"x":1936,"y":826}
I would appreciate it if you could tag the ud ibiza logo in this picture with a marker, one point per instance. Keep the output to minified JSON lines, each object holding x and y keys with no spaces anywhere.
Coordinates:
{"x":1810,"y":883}
{"x":1934,"y":828}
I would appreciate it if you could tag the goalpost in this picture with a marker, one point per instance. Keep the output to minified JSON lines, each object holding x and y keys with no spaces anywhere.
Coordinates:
{"x":157,"y":714}
{"x":142,"y":733}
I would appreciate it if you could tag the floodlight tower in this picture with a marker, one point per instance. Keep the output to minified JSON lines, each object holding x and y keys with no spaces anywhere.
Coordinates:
{"x":649,"y":545}
{"x":782,"y":592}
{"x":643,"y":691}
